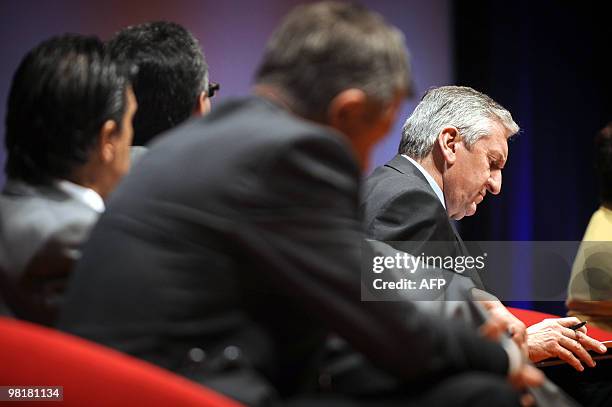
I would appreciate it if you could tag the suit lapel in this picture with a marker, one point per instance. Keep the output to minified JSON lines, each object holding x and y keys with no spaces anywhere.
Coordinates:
{"x":402,"y":165}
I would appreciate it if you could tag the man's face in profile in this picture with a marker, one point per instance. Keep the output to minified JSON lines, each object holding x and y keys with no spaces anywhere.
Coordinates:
{"x":476,"y":171}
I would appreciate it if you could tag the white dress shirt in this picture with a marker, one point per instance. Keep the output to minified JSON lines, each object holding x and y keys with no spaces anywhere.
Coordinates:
{"x":434,"y":185}
{"x":82,"y":194}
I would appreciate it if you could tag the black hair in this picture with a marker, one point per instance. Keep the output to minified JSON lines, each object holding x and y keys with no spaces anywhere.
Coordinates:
{"x":61,"y":95}
{"x":603,"y":162}
{"x":172,"y":73}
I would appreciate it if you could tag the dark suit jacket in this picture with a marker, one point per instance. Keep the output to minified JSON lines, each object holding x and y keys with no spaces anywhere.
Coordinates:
{"x":41,"y":231}
{"x":400,"y":207}
{"x":238,"y":235}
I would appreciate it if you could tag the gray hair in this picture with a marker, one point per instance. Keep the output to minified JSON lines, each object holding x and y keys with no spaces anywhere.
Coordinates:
{"x":471,"y":112}
{"x":321,"y":49}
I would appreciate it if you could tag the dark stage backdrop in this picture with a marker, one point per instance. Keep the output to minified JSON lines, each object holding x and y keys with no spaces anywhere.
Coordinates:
{"x":232,"y":34}
{"x":548,"y":63}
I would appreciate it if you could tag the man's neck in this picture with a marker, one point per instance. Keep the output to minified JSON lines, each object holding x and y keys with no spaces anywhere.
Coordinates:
{"x":428,"y":163}
{"x":282,"y":99}
{"x":274,"y":95}
{"x":85,"y":177}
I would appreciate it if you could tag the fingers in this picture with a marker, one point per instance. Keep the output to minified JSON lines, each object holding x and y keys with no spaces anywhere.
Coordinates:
{"x":568,"y":321}
{"x":567,"y":356}
{"x":527,"y":400}
{"x":527,"y":376}
{"x":518,"y":340}
{"x":532,"y":377}
{"x":492,"y":329}
{"x":577,"y":349}
{"x":520,"y":335}
{"x":590,"y":343}
{"x":586,"y":341}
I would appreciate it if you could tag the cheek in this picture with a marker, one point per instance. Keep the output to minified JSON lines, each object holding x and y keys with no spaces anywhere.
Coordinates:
{"x":207,"y":106}
{"x":125,"y":160}
{"x":478,"y":176}
{"x":484,"y":176}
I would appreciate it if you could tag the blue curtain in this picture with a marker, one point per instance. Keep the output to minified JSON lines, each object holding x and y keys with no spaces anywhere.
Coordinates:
{"x":546,"y":62}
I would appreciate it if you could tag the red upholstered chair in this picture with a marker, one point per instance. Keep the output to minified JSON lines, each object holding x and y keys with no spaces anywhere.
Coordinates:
{"x":533,"y":317}
{"x":91,"y":375}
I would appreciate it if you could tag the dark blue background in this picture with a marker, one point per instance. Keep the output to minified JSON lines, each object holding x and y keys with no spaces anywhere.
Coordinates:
{"x":548,"y":63}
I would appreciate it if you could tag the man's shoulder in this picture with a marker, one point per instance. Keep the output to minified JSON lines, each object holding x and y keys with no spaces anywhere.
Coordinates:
{"x":390,"y":180}
{"x":247,"y":120}
{"x":244,"y":135}
{"x":238,"y":152}
{"x":43,"y":208}
{"x":398,"y":203}
{"x":30,"y":221}
{"x":240,"y":133}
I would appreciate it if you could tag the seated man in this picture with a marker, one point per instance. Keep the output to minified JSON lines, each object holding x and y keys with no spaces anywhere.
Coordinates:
{"x":590,"y":286}
{"x":453,"y":149}
{"x":232,"y":251}
{"x":172,"y":80}
{"x":68,"y":136}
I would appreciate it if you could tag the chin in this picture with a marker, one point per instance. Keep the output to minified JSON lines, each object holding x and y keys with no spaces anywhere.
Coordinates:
{"x":457,"y":216}
{"x":470,"y":210}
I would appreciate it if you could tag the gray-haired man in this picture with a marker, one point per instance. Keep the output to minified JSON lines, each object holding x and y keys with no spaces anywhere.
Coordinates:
{"x":453,"y":149}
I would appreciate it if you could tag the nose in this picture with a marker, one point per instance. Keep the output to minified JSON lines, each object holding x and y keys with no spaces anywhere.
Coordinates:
{"x":494,"y":182}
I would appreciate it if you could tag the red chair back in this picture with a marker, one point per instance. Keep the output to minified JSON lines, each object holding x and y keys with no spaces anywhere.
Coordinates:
{"x":91,"y":375}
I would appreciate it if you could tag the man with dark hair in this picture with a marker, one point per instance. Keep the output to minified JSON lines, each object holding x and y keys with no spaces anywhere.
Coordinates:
{"x":68,"y":134}
{"x":233,"y":250}
{"x":172,"y":80}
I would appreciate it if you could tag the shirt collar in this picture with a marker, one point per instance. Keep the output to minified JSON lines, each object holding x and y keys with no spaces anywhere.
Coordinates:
{"x":82,"y":194}
{"x":432,"y":183}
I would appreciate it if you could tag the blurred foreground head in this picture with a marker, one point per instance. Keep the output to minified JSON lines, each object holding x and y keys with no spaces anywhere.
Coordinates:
{"x":172,"y":80}
{"x":341,"y":65}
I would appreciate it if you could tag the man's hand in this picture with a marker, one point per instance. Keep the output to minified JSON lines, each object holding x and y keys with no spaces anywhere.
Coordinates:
{"x":501,"y":322}
{"x":511,"y":324}
{"x":553,"y":338}
{"x":527,"y":376}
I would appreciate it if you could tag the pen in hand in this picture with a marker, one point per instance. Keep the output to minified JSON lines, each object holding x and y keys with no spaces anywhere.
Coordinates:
{"x":577,"y":326}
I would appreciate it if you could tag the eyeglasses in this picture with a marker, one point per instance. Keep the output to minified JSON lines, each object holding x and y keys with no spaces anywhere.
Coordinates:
{"x":212,"y":88}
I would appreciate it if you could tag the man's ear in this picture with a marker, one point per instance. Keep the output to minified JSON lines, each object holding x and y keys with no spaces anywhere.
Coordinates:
{"x":448,"y":139}
{"x":347,"y":110}
{"x":107,"y":140}
{"x":202,"y":105}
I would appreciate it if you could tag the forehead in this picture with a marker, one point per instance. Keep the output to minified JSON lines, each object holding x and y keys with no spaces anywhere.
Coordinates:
{"x":496,"y":141}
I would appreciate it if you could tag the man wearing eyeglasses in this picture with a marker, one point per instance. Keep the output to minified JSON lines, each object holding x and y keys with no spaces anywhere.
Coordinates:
{"x":172,"y":82}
